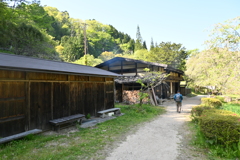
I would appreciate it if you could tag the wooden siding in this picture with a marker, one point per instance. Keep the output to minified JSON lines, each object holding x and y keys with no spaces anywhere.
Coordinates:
{"x":132,"y":68}
{"x":28,"y":100}
{"x":12,"y":107}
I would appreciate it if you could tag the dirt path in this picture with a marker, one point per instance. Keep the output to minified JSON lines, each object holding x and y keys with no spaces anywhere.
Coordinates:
{"x":161,"y":139}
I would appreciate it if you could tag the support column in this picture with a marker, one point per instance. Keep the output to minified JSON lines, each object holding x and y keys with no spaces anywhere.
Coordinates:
{"x":171,"y":88}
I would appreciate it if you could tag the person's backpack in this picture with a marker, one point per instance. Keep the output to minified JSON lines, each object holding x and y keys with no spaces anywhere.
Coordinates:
{"x":178,"y":98}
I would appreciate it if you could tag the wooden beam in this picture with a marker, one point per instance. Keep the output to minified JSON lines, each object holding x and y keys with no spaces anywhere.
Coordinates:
{"x":124,"y":70}
{"x":11,"y":118}
{"x":12,"y":99}
{"x":52,"y":100}
{"x":121,"y":68}
{"x":136,"y":69}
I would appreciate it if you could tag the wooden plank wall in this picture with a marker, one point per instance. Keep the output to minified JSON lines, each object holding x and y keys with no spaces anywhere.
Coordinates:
{"x":28,"y":100}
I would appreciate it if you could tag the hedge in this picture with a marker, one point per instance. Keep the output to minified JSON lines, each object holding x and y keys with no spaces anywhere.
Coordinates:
{"x":211,"y":102}
{"x":220,"y":126}
{"x":196,"y":111}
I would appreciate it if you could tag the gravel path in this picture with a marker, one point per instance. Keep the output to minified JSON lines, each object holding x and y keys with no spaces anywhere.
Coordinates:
{"x":161,"y":139}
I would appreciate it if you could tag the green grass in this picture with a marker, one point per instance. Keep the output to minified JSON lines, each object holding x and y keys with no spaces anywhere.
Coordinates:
{"x":85,"y":144}
{"x":6,"y":51}
{"x":234,"y":107}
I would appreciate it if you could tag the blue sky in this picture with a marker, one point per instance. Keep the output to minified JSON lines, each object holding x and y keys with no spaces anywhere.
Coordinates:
{"x":180,"y":21}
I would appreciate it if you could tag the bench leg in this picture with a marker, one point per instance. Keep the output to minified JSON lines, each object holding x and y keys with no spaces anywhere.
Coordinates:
{"x":79,"y":121}
{"x":103,"y":115}
{"x":58,"y":128}
{"x":117,"y":112}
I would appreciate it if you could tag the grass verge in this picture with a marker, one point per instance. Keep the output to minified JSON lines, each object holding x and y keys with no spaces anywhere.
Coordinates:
{"x":234,"y":107}
{"x":83,"y":144}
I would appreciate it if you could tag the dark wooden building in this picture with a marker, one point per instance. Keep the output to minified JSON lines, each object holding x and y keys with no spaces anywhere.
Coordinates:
{"x":34,"y":91}
{"x":133,"y":68}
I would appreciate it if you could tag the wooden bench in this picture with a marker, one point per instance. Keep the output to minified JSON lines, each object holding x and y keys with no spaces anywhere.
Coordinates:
{"x":103,"y":112}
{"x":69,"y":119}
{"x":20,"y":135}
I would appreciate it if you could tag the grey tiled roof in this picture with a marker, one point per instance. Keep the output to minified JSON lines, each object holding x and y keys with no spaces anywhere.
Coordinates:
{"x":9,"y":61}
{"x":165,"y":66}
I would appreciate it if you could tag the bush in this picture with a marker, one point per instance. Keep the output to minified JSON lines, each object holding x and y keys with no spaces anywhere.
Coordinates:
{"x":211,"y":102}
{"x":220,"y":98}
{"x":220,"y":126}
{"x":196,"y":111}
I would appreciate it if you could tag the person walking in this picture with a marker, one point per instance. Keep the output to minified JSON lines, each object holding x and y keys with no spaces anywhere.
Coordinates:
{"x":178,"y":99}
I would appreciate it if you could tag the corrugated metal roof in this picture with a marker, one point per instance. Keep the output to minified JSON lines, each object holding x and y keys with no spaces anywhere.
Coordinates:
{"x":165,"y":66}
{"x":9,"y":61}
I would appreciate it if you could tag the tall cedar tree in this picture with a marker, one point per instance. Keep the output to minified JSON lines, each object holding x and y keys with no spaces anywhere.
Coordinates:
{"x":152,"y":44}
{"x":144,"y":45}
{"x":138,"y":44}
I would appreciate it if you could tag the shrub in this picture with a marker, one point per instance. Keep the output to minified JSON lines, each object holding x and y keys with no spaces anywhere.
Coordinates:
{"x":196,"y":111}
{"x":211,"y":102}
{"x":220,"y":126}
{"x":220,"y":98}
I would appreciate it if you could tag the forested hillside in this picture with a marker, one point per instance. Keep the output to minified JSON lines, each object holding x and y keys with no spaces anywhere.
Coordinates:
{"x":43,"y":31}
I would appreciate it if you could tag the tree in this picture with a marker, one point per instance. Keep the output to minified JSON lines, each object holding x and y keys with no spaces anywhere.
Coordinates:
{"x":152,"y":44}
{"x":149,"y":81}
{"x":73,"y":48}
{"x":141,"y":54}
{"x":106,"y":56}
{"x":169,"y":53}
{"x":219,"y":65}
{"x":61,"y":23}
{"x":91,"y":61}
{"x":139,"y":41}
{"x":144,"y":45}
{"x":99,"y":38}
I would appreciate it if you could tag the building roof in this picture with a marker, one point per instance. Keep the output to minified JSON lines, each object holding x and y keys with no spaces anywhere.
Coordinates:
{"x":165,"y":66}
{"x":23,"y":63}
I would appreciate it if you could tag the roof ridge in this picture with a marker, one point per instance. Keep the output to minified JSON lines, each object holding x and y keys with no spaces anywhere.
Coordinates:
{"x":33,"y":63}
{"x":43,"y":59}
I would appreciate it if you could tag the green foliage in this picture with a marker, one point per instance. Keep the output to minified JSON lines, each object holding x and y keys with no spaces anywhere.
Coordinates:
{"x":169,"y":53}
{"x":234,"y":107}
{"x":141,"y":54}
{"x":73,"y":48}
{"x":214,"y":151}
{"x":218,"y":130}
{"x":30,"y":137}
{"x":139,"y":41}
{"x":106,"y":56}
{"x":88,"y":60}
{"x":196,"y":112}
{"x":211,"y":102}
{"x":220,"y":126}
{"x":220,"y":98}
{"x":220,"y":68}
{"x":88,"y":116}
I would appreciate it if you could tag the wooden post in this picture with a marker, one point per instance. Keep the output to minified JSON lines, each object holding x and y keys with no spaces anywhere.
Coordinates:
{"x":122,"y":91}
{"x":121,"y":68}
{"x":114,"y":93}
{"x":136,"y":68}
{"x":51,"y":100}
{"x":154,"y":96}
{"x":27,"y":97}
{"x":171,"y":88}
{"x":29,"y":101}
